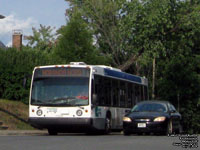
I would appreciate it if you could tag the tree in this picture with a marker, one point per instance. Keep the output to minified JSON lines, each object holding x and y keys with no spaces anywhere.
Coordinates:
{"x":124,"y":30}
{"x":104,"y":18}
{"x":75,"y":43}
{"x":42,"y":39}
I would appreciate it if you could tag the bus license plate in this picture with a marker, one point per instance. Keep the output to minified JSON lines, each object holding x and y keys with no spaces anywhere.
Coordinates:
{"x":50,"y":110}
{"x":141,"y":125}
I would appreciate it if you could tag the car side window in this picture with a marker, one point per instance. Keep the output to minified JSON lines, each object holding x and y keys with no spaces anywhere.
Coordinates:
{"x":172,"y":108}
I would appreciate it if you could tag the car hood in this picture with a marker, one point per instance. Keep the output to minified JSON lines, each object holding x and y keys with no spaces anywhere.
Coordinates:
{"x":150,"y":115}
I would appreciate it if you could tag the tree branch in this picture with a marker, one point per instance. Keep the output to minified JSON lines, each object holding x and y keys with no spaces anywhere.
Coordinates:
{"x":131,"y":60}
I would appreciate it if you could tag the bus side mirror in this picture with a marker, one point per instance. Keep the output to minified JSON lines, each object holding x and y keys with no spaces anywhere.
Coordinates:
{"x":94,"y":99}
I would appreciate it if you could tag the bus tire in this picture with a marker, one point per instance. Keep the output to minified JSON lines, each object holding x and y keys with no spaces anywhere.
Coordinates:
{"x":52,"y":132}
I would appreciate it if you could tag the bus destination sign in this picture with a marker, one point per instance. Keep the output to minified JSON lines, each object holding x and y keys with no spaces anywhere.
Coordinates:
{"x":56,"y":72}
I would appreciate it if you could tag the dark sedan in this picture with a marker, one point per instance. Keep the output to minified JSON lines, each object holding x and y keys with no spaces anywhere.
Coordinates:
{"x":152,"y":117}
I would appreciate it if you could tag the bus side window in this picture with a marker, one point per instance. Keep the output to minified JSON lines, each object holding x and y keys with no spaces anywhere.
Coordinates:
{"x":122,"y":93}
{"x":101,"y":91}
{"x":107,"y":89}
{"x":94,"y":94}
{"x":96,"y":88}
{"x":133,"y":95}
{"x":142,"y":92}
{"x":137,"y":93}
{"x":145,"y":93}
{"x":130,"y":95}
{"x":115,"y":87}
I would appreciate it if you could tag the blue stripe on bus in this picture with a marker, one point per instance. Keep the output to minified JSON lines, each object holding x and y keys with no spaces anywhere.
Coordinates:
{"x":122,"y":75}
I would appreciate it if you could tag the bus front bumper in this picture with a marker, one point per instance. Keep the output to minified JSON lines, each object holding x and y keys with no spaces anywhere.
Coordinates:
{"x":63,"y":124}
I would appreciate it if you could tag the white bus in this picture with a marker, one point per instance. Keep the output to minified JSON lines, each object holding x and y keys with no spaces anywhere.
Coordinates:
{"x":82,"y":98}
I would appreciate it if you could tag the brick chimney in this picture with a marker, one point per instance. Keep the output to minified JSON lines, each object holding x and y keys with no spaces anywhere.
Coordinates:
{"x":17,"y":39}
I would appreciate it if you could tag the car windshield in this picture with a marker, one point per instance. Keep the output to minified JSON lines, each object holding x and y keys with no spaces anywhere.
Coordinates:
{"x":149,"y":107}
{"x":60,"y":91}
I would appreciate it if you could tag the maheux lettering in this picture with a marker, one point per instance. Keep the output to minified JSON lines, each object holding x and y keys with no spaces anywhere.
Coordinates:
{"x":60,"y":72}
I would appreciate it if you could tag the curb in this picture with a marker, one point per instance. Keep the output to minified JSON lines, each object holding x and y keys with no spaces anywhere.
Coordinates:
{"x":23,"y":132}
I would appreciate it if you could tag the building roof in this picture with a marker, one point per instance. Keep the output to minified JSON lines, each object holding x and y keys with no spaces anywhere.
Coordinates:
{"x":2,"y":45}
{"x":1,"y":16}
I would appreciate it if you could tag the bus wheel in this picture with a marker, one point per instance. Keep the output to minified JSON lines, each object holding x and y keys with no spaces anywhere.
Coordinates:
{"x":107,"y":125}
{"x":52,"y":132}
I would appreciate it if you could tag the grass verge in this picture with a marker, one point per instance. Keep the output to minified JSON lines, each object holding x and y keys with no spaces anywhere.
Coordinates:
{"x":14,"y":115}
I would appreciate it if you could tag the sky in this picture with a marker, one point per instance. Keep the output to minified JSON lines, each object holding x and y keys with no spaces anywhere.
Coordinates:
{"x":25,"y":14}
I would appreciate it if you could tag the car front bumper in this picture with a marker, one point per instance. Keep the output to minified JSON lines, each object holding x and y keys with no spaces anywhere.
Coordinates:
{"x":155,"y":127}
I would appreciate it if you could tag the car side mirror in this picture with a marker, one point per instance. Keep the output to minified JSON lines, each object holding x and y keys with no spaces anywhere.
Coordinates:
{"x":172,"y":111}
{"x":127,"y":111}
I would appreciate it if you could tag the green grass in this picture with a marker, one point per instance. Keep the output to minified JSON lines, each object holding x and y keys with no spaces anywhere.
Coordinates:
{"x":14,"y":115}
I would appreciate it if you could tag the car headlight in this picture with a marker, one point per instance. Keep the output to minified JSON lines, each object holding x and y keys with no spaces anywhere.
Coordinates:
{"x":159,"y":119}
{"x":126,"y":119}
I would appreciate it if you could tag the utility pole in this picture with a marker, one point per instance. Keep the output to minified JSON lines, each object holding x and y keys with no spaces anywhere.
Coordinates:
{"x":178,"y":98}
{"x":153,"y":78}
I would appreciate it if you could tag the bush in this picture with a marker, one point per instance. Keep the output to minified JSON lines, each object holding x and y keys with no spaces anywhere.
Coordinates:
{"x":15,"y":72}
{"x":190,"y":117}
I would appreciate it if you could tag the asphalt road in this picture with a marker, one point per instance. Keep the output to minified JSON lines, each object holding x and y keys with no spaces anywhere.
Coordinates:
{"x":115,"y":141}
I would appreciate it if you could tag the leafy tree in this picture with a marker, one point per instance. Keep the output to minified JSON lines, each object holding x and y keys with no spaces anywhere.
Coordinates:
{"x":75,"y":43}
{"x":103,"y":17}
{"x":42,"y":39}
{"x":125,"y":30}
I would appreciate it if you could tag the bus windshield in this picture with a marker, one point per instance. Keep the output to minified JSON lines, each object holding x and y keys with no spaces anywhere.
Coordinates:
{"x":71,"y":91}
{"x":51,"y":90}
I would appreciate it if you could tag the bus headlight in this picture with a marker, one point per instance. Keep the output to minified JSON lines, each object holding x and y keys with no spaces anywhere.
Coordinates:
{"x":39,"y":112}
{"x":126,"y":119}
{"x":159,"y":119}
{"x":79,"y":112}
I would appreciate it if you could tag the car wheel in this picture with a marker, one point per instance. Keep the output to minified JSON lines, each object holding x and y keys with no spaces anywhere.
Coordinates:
{"x":179,"y":129}
{"x":126,"y":133}
{"x":169,"y":128}
{"x":147,"y":133}
{"x":139,"y":133}
{"x":52,"y":132}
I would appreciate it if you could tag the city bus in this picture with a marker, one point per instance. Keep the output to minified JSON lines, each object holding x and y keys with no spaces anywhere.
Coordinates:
{"x":82,"y":98}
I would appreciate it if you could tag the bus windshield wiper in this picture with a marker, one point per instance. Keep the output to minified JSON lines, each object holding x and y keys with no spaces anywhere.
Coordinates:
{"x":64,"y":98}
{"x":60,"y":99}
{"x":37,"y":101}
{"x":62,"y":104}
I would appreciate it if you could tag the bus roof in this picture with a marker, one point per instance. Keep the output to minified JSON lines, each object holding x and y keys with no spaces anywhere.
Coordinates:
{"x":104,"y":71}
{"x":119,"y":75}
